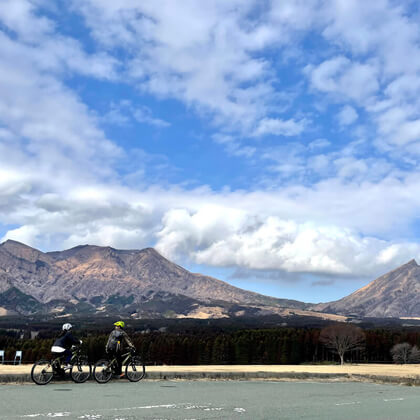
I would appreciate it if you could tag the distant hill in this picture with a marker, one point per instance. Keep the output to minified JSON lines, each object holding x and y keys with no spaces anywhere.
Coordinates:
{"x":395,"y":294}
{"x":138,"y":283}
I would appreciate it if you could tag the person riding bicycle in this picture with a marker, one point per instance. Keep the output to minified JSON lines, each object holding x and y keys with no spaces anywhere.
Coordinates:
{"x":118,"y":340}
{"x":64,"y":342}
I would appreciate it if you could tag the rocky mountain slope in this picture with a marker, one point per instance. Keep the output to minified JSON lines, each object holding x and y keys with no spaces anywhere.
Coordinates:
{"x":92,"y":279}
{"x":395,"y":294}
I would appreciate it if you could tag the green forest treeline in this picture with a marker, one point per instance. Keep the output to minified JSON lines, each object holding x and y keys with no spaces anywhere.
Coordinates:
{"x":250,"y":346}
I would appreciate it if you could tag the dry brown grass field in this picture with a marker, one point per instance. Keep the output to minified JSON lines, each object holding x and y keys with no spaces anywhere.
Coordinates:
{"x":408,"y":371}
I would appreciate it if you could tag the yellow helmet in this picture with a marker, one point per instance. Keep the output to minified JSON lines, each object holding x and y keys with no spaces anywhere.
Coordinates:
{"x":119,"y":324}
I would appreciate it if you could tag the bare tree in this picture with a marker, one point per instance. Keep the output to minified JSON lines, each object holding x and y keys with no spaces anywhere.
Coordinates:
{"x":401,"y":353}
{"x":414,"y":355}
{"x":341,"y":338}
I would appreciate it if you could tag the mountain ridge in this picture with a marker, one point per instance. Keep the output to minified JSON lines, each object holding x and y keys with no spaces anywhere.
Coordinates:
{"x":394,"y":294}
{"x":123,"y":280}
{"x":143,"y":283}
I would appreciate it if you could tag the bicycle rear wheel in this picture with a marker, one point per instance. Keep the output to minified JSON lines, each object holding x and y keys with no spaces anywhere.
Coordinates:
{"x":42,"y":372}
{"x":81,"y":370}
{"x":135,"y":369}
{"x":102,"y":372}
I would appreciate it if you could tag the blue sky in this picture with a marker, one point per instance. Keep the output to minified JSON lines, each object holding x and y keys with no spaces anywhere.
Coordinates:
{"x":274,"y":144}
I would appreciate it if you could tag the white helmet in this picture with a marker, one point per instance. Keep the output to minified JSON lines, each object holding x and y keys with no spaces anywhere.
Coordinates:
{"x":67,"y":327}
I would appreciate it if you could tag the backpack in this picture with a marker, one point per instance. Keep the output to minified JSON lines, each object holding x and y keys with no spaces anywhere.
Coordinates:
{"x":114,"y":340}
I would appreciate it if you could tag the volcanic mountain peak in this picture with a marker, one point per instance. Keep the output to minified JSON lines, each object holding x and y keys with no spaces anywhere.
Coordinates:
{"x":79,"y":252}
{"x":21,"y":250}
{"x":11,"y":245}
{"x":393,"y":294}
{"x":87,"y":251}
{"x":412,"y":264}
{"x":95,"y":277}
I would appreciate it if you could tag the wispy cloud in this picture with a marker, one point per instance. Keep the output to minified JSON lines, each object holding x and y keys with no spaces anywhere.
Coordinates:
{"x":125,"y":111}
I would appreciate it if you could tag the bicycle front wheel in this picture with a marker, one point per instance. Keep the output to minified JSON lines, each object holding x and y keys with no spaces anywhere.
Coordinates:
{"x":42,"y":372}
{"x":135,"y":369}
{"x":102,"y":372}
{"x":81,"y":370}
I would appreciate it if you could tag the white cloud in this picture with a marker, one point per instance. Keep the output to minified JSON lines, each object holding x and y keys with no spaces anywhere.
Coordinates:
{"x":297,"y":229}
{"x":123,"y":112}
{"x":401,"y":89}
{"x":280,"y":127}
{"x":50,"y":141}
{"x":109,"y":235}
{"x":20,"y":16}
{"x":347,"y":116}
{"x":319,"y":163}
{"x":47,"y":50}
{"x":233,"y":146}
{"x":351,"y":168}
{"x":24,"y":234}
{"x":217,"y":66}
{"x":319,"y":144}
{"x":144,"y":115}
{"x":408,"y":132}
{"x":69,"y":127}
{"x":382,"y":28}
{"x":399,"y":126}
{"x":208,"y":56}
{"x":221,"y":237}
{"x":383,"y":37}
{"x":55,"y":135}
{"x":345,"y":79}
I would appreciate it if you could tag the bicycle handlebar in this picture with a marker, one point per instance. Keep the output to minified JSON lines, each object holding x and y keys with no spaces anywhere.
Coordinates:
{"x":130,"y":351}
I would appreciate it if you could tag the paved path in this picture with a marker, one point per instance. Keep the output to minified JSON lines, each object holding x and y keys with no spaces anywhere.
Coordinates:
{"x":210,"y":400}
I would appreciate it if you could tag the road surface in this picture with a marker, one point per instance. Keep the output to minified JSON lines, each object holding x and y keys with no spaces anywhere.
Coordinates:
{"x":121,"y":400}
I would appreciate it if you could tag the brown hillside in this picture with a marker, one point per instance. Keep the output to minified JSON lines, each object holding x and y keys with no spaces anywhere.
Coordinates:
{"x":395,"y":294}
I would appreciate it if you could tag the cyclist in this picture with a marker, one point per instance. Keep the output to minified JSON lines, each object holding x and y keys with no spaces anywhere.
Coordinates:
{"x":64,"y":342}
{"x":118,"y":340}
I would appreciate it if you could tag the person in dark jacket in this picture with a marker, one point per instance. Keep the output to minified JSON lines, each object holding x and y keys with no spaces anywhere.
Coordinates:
{"x":64,"y":342}
{"x":118,"y":341}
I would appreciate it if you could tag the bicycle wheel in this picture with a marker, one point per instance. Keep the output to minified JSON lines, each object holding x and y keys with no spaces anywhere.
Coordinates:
{"x":135,"y":369}
{"x":102,"y":372}
{"x":81,"y":370}
{"x":42,"y":372}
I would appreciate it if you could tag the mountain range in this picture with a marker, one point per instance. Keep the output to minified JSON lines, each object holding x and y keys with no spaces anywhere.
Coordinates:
{"x":138,"y":283}
{"x":95,"y":280}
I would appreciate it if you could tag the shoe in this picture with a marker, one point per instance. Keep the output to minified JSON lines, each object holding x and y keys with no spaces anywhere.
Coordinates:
{"x":68,"y":366}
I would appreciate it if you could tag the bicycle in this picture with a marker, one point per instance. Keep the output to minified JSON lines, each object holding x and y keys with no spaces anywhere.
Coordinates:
{"x":135,"y":368}
{"x":43,"y":370}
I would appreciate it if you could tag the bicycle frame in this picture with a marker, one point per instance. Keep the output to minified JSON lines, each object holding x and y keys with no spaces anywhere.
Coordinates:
{"x":58,"y":361}
{"x":126,"y":358}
